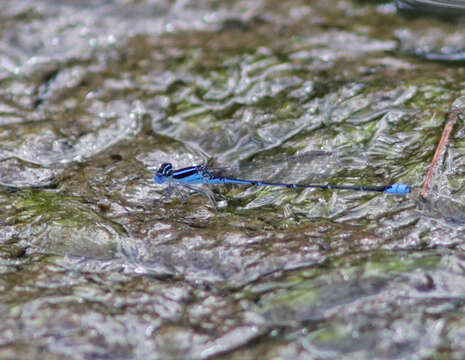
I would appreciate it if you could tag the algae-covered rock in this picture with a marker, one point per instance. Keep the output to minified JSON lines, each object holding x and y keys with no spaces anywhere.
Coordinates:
{"x":55,"y":223}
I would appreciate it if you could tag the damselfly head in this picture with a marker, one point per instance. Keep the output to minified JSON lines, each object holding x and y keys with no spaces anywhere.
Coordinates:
{"x":164,"y":171}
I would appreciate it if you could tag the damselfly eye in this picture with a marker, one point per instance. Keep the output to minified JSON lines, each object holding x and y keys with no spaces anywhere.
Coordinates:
{"x":166,"y":169}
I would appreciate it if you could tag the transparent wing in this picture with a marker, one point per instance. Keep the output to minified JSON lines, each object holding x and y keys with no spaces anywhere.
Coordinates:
{"x":308,"y":166}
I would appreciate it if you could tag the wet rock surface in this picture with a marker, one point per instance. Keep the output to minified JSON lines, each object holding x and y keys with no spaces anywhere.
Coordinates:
{"x":97,"y":262}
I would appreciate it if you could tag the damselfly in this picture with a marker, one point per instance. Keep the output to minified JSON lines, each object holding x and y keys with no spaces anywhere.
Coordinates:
{"x":200,"y":174}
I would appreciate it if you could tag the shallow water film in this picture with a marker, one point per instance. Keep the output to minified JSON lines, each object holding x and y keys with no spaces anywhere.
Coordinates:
{"x":98,"y":262}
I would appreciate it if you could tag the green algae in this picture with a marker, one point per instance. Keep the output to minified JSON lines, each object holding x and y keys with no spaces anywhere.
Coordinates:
{"x":65,"y":224}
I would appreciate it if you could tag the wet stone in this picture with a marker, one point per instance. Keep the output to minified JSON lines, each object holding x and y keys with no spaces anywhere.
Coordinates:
{"x":97,"y":260}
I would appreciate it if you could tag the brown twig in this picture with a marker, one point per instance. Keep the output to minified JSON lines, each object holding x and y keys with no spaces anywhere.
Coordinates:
{"x":452,"y":118}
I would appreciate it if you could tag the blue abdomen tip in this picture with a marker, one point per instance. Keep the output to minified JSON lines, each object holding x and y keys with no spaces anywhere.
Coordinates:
{"x":400,"y":189}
